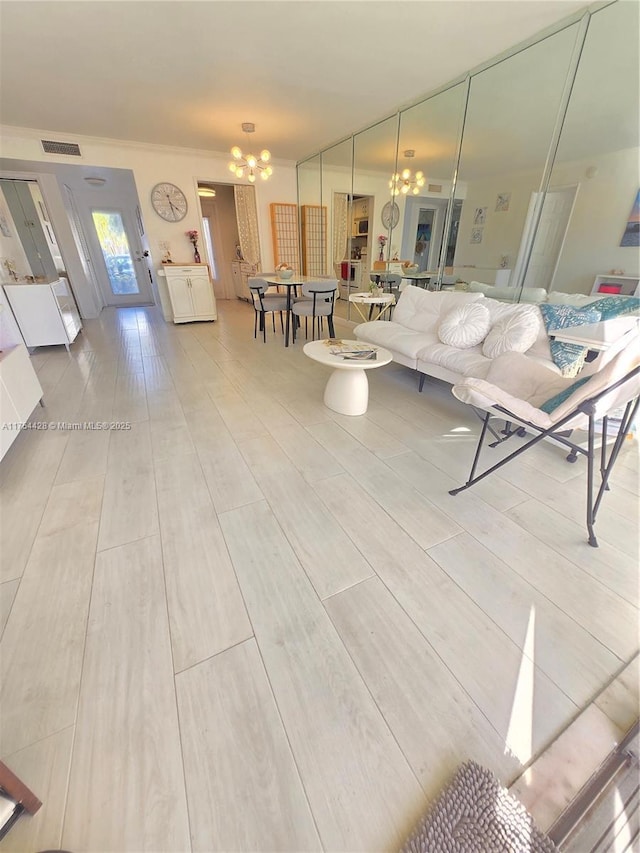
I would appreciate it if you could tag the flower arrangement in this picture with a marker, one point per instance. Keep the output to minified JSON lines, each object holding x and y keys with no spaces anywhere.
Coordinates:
{"x":382,"y":242}
{"x":193,"y":236}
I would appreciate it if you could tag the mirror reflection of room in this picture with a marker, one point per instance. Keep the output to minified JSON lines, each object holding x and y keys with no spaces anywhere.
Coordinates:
{"x":496,"y":213}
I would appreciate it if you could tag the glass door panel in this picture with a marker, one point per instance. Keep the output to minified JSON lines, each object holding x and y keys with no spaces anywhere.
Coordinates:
{"x":115,"y":250}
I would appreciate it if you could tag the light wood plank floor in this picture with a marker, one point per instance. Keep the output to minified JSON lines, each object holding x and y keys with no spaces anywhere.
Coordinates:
{"x":248,"y":623}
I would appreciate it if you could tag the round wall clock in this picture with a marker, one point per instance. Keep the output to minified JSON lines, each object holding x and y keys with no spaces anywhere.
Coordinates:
{"x":390,"y":214}
{"x":169,"y":202}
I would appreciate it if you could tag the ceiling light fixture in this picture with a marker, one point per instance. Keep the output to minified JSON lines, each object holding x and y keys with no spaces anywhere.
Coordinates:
{"x":404,"y":182}
{"x":250,"y":165}
{"x":206,"y":192}
{"x":96,"y":182}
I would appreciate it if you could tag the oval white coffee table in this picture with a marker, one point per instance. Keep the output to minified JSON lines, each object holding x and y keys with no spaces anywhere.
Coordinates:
{"x":347,"y":390}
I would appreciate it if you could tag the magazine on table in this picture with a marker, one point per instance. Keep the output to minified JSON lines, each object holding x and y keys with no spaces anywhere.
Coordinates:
{"x":352,"y":351}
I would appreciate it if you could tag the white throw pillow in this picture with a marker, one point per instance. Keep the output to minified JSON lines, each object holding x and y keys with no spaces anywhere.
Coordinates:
{"x":465,"y":326}
{"x":516,"y":332}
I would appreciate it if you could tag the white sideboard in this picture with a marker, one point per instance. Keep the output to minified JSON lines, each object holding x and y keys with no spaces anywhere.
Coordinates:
{"x":191,"y":292}
{"x":241,"y":272}
{"x":20,"y":392}
{"x":46,"y":313}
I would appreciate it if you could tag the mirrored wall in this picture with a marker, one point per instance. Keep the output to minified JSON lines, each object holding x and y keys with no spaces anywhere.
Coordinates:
{"x":522,"y":177}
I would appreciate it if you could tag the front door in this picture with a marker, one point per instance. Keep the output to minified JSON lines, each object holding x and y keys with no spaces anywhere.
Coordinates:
{"x":123,"y":274}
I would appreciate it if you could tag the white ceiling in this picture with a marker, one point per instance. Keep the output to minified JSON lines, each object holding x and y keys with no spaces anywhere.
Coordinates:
{"x":189,"y":73}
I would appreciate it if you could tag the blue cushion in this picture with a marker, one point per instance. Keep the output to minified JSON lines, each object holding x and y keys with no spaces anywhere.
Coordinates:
{"x":615,"y":306}
{"x":568,"y":357}
{"x":551,"y":404}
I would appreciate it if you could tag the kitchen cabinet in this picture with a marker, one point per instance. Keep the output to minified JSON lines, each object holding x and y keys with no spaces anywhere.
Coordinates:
{"x":191,"y":292}
{"x":20,"y":391}
{"x":241,"y":272}
{"x":46,"y":313}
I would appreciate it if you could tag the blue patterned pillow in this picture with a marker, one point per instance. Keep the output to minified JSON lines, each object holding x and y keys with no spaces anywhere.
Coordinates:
{"x":553,"y":403}
{"x":568,"y":357}
{"x":615,"y":306}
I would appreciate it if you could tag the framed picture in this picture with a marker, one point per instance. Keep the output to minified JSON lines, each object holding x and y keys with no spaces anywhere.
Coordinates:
{"x":476,"y":235}
{"x":480,"y":216}
{"x":502,"y":201}
{"x":631,"y":236}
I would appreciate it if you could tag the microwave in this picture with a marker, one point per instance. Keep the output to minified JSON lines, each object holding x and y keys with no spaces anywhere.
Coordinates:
{"x":362,"y":226}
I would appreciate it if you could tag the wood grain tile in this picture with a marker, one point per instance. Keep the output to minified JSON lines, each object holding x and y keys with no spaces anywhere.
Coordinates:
{"x":43,"y":767}
{"x":361,"y":790}
{"x":519,"y":700}
{"x":206,"y":611}
{"x":562,"y":649}
{"x":43,"y":642}
{"x":129,"y":509}
{"x":135,"y":794}
{"x":608,"y":564}
{"x":85,"y":456}
{"x":420,"y":518}
{"x":309,"y":457}
{"x":19,"y":523}
{"x":327,"y":554}
{"x":433,"y":719}
{"x":69,"y":504}
{"x":7,"y":594}
{"x":607,"y":616}
{"x":229,"y":721}
{"x":231,"y":483}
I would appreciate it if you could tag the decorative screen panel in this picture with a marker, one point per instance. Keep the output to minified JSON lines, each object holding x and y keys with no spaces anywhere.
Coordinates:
{"x":247,"y":216}
{"x":284,"y":232}
{"x":314,"y":239}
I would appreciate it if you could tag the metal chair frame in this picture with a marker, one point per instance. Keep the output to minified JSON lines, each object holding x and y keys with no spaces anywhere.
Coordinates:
{"x":586,"y":407}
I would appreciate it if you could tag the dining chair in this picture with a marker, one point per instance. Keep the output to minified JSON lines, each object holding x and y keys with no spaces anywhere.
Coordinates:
{"x":317,"y":302}
{"x":265,"y":303}
{"x":390,"y":283}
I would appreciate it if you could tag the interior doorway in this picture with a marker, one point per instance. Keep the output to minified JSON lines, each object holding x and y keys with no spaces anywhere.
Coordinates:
{"x":424,"y":230}
{"x":546,"y":247}
{"x":220,"y":235}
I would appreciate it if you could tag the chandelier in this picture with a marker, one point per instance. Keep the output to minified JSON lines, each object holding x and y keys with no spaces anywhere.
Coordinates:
{"x":249,"y":164}
{"x":405,"y":182}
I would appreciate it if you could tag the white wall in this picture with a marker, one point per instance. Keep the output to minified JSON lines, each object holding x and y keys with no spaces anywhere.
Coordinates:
{"x":152,"y":165}
{"x":600,"y":215}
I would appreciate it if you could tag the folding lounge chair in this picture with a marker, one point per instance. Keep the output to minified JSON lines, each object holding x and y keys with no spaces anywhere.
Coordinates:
{"x":552,"y":408}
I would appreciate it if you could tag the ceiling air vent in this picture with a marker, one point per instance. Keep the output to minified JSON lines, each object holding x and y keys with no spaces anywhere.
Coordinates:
{"x":69,"y":148}
{"x":435,"y":188}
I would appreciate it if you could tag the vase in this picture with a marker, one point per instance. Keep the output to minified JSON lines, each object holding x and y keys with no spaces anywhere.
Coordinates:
{"x":196,"y":255}
{"x":381,"y":255}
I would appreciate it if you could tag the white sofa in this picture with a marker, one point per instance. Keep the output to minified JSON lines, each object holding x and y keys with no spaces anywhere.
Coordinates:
{"x":412,"y":335}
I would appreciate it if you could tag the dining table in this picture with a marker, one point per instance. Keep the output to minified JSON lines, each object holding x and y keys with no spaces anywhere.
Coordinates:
{"x":290,"y":283}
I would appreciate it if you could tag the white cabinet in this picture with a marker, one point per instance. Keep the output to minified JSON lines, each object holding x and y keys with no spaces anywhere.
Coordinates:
{"x":612,"y":285}
{"x":190,"y":292}
{"x":241,"y":272}
{"x":46,"y":313}
{"x":19,"y":393}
